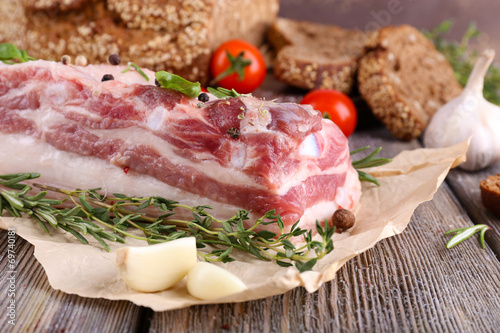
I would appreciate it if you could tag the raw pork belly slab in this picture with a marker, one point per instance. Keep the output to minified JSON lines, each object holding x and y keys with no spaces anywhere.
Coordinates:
{"x":129,"y":136}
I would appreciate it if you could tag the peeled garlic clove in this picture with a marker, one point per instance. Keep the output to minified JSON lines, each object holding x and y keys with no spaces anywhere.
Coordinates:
{"x":208,"y":281}
{"x":156,"y":267}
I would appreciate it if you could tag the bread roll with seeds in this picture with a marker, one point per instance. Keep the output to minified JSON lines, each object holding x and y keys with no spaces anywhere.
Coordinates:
{"x":172,"y":35}
{"x":311,"y":55}
{"x":490,"y":193}
{"x":405,"y":80}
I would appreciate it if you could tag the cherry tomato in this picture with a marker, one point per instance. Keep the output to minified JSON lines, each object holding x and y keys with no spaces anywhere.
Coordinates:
{"x":233,"y":55}
{"x":334,"y":105}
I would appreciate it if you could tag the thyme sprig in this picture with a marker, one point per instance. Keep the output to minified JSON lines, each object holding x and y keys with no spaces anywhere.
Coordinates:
{"x":367,"y":162}
{"x":113,"y":218}
{"x":462,"y":234}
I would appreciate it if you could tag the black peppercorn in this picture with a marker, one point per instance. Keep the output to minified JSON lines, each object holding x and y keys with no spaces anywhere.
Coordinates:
{"x":203,"y":97}
{"x":343,"y":219}
{"x":233,"y":132}
{"x":157,"y":83}
{"x":114,"y":59}
{"x":107,"y":77}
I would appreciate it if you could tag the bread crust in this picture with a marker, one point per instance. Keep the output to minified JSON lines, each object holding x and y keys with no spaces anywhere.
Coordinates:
{"x":312,"y":56}
{"x":405,"y":80}
{"x":172,"y":35}
{"x":490,"y":193}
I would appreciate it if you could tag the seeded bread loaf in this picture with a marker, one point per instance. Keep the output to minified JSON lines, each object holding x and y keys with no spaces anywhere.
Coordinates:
{"x":311,"y":55}
{"x":405,"y":80}
{"x":490,"y":193}
{"x":173,"y":35}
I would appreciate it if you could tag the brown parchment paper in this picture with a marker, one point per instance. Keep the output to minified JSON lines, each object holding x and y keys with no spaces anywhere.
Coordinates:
{"x":89,"y":271}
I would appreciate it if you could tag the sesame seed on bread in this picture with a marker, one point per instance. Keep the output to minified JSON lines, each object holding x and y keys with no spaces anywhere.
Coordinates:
{"x":312,"y":55}
{"x":490,"y":193}
{"x":405,"y":80}
{"x":177,"y":36}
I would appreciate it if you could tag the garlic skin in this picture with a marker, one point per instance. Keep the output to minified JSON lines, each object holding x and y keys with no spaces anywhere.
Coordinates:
{"x":156,"y":267}
{"x":208,"y":281}
{"x":469,"y":115}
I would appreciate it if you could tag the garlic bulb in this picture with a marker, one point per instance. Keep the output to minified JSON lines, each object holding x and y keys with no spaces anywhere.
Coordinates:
{"x":469,"y":115}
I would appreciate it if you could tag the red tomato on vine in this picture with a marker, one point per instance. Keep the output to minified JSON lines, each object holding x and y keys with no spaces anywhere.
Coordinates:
{"x":237,"y":64}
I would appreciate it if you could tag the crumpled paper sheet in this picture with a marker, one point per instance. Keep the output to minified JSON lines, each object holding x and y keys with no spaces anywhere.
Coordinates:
{"x":89,"y":271}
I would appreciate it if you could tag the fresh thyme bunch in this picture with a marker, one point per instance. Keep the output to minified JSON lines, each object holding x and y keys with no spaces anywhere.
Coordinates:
{"x":112,"y":218}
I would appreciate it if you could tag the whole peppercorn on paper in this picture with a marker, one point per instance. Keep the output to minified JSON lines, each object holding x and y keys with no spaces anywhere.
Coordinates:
{"x":89,"y":271}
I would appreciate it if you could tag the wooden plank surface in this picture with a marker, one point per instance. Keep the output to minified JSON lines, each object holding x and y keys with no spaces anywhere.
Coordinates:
{"x":39,"y":308}
{"x":410,"y":282}
{"x":466,"y":187}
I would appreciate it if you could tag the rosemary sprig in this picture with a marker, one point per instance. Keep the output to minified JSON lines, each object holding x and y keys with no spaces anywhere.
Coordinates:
{"x":462,"y":58}
{"x":367,"y":162}
{"x":113,"y":218}
{"x":137,"y":68}
{"x":464,"y":233}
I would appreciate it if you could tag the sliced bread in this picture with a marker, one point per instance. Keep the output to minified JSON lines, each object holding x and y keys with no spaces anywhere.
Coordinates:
{"x":312,"y":55}
{"x":173,"y":35}
{"x":405,"y":80}
{"x":490,"y":193}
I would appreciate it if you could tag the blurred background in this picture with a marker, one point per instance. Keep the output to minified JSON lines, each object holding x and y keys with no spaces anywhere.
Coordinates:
{"x":423,"y":14}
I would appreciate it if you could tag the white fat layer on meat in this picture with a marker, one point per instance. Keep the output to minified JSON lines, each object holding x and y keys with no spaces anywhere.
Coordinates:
{"x":256,"y":118}
{"x":309,"y":147}
{"x":68,"y":170}
{"x":48,"y":117}
{"x":56,"y":93}
{"x":96,"y":72}
{"x":156,"y":119}
{"x":139,"y":136}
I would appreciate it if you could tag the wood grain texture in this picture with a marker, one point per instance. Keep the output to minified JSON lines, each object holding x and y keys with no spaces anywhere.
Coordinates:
{"x":406,"y":283}
{"x":39,"y":308}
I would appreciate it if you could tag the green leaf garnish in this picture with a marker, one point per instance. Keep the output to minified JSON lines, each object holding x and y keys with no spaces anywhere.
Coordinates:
{"x":9,"y":52}
{"x":138,"y":70}
{"x":223,"y":92}
{"x":171,"y":81}
{"x":367,"y":162}
{"x":464,"y":233}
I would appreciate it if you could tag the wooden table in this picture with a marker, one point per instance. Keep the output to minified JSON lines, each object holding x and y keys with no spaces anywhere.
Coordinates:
{"x":409,"y":282}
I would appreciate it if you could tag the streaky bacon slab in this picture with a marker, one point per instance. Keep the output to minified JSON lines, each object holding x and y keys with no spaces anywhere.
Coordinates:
{"x":286,"y":157}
